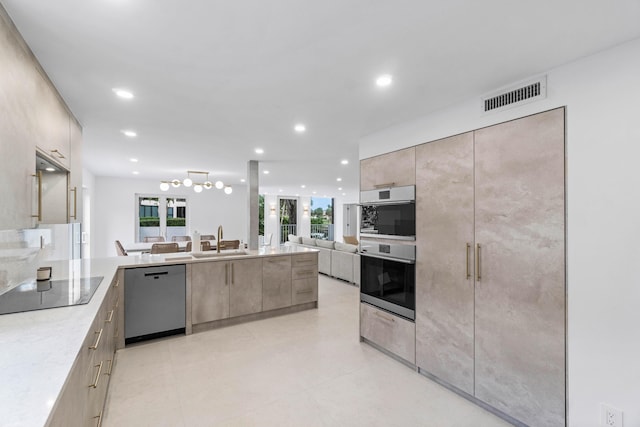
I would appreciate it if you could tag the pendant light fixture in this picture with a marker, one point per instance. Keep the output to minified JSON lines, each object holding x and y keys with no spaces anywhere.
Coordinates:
{"x":198,"y":186}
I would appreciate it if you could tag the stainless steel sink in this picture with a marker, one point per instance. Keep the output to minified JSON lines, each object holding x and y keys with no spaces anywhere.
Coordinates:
{"x":223,"y":253}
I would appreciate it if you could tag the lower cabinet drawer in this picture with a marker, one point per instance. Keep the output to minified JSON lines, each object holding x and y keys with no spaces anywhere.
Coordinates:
{"x":304,"y":290}
{"x":390,"y":332}
{"x":304,"y":272}
{"x":304,"y":260}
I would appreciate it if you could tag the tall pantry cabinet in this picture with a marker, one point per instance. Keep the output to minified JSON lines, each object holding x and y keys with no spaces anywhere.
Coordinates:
{"x":490,"y":290}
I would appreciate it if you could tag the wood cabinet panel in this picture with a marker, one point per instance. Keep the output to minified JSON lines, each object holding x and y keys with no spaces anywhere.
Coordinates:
{"x":209,"y":291}
{"x":245,"y":295}
{"x":388,"y":170}
{"x":276,"y":282}
{"x":520,"y":292}
{"x":444,"y":279}
{"x":75,"y":172}
{"x":304,"y":290}
{"x":390,"y":332}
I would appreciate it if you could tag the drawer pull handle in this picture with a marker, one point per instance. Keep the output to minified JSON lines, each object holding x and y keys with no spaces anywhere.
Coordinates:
{"x":58,"y":154}
{"x":117,"y":302}
{"x":467,"y":263}
{"x":110,"y":316}
{"x":110,"y":367}
{"x":97,"y":380}
{"x":99,"y":417}
{"x":97,"y":343}
{"x":382,"y":316}
{"x":478,"y":276}
{"x":117,"y":283}
{"x":304,"y":292}
{"x":306,"y":272}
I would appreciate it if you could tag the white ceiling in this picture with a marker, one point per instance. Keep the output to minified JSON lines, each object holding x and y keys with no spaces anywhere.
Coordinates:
{"x":215,"y":79}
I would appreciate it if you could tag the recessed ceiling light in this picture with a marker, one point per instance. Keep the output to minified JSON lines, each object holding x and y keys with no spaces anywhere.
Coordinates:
{"x":243,"y":180}
{"x":339,"y":188}
{"x":266,"y":172}
{"x":344,"y":162}
{"x":303,"y":186}
{"x":344,"y":194}
{"x":280,"y":190}
{"x":50,"y":169}
{"x":314,"y":192}
{"x":324,"y":195}
{"x":135,"y":172}
{"x":300,"y":128}
{"x":384,"y":80}
{"x":123,"y":93}
{"x":297,"y":195}
{"x":259,"y":151}
{"x":133,"y":160}
{"x":130,"y":133}
{"x":338,"y":179}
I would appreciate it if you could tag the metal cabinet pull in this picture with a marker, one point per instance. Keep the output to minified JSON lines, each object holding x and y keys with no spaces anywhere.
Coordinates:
{"x":382,"y":316}
{"x":95,"y":345}
{"x":467,"y":263}
{"x":226,"y":273}
{"x":233,"y":280}
{"x":97,"y":380}
{"x":385,"y":185}
{"x":110,"y":316}
{"x":308,"y":291}
{"x":99,"y":417}
{"x":38,"y":176}
{"x":58,"y":154}
{"x":117,"y":283}
{"x":75,"y":202}
{"x":478,"y":276}
{"x":110,"y":367}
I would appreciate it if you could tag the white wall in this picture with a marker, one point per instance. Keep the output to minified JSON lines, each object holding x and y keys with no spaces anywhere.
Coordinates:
{"x":602,"y":95}
{"x":88,"y":202}
{"x":115,"y":211}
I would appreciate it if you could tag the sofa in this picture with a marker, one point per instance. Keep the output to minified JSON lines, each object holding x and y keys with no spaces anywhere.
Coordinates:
{"x":335,"y":259}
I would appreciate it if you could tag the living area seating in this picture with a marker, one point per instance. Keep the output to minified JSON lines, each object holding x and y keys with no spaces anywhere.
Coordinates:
{"x":120,"y":249}
{"x":339,"y":260}
{"x":181,"y":238}
{"x":153,"y":239}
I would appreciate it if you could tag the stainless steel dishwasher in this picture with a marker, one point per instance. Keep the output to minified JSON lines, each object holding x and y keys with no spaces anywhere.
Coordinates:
{"x":154,"y":302}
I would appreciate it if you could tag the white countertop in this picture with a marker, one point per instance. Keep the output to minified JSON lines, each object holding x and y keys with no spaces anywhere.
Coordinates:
{"x":38,"y":348}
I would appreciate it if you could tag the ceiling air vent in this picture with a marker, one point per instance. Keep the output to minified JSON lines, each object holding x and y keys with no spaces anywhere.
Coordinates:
{"x":523,"y":93}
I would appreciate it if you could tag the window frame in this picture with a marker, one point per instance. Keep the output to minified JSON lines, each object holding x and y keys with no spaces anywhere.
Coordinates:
{"x":162,"y":212}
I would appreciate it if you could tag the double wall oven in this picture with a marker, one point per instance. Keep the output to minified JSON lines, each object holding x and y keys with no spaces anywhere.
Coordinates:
{"x":387,"y":267}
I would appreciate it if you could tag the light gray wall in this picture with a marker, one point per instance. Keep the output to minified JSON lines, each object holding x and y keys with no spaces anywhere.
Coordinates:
{"x":115,"y":211}
{"x":601,"y":93}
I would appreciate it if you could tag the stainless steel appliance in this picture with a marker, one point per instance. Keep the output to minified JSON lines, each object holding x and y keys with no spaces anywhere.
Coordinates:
{"x":38,"y":295}
{"x":388,"y":277}
{"x":389,"y":213}
{"x":154,"y":302}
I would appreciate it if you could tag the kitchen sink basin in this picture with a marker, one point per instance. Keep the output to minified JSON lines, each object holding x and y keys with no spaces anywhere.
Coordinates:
{"x":215,"y":254}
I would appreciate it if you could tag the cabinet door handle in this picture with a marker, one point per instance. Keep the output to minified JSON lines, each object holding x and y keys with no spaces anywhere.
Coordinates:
{"x":95,"y":345}
{"x":382,"y":316}
{"x":99,"y":417}
{"x":233,"y":279}
{"x":467,"y":263}
{"x":110,"y":316}
{"x":117,"y":283}
{"x":38,"y":177}
{"x":58,"y":154}
{"x":97,"y":380}
{"x":478,"y":275}
{"x":110,"y":367}
{"x":75,"y":202}
{"x":385,"y":185}
{"x":308,"y":291}
{"x":226,"y":273}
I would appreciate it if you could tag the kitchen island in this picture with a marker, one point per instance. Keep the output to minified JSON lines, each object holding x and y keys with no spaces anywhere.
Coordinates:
{"x":42,"y":351}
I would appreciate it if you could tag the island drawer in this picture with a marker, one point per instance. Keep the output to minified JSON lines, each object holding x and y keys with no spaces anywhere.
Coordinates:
{"x":304,"y":260}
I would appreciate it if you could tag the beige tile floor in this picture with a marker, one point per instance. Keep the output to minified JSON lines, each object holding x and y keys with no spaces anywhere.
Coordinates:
{"x":303,"y":369}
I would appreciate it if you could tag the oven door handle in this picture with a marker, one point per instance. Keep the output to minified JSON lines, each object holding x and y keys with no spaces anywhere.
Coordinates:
{"x":404,"y":261}
{"x":387,"y":202}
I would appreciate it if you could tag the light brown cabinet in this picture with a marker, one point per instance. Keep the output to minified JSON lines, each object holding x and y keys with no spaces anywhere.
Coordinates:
{"x":245,"y":295}
{"x":209,"y":291}
{"x":83,"y":396}
{"x":75,"y":171}
{"x":390,"y":332}
{"x":490,"y":290}
{"x":388,"y":170}
{"x":304,"y":276}
{"x":276,"y":282}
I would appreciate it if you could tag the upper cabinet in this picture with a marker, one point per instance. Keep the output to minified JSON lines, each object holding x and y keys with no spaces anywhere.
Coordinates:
{"x":388,"y":170}
{"x":52,"y":138}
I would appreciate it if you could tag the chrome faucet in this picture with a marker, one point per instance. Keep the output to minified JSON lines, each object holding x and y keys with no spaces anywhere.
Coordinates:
{"x":219,"y":238}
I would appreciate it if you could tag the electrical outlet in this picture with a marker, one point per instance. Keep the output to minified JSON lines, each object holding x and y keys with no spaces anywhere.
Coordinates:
{"x":610,"y":416}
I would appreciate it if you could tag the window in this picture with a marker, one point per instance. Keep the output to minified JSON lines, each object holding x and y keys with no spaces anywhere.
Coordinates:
{"x":322,"y":218}
{"x":164,"y":216}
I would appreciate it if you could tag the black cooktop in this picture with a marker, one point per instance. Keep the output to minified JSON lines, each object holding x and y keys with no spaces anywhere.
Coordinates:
{"x":35,"y":295}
